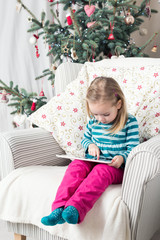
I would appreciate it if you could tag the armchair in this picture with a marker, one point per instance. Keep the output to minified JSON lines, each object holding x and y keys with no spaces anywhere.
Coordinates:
{"x":30,"y":170}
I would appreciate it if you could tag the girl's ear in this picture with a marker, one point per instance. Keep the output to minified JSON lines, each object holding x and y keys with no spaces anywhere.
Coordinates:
{"x":119,"y":104}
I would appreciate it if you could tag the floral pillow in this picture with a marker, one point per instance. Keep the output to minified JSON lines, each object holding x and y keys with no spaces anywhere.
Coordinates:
{"x":65,"y":114}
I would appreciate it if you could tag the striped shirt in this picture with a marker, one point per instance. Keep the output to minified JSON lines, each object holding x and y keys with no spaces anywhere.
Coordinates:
{"x":109,"y":144}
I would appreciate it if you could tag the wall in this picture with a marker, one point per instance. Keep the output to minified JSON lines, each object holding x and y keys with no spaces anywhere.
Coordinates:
{"x":152,"y":25}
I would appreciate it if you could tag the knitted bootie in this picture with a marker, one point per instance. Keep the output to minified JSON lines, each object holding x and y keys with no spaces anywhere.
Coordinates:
{"x":70,"y":215}
{"x":54,"y":218}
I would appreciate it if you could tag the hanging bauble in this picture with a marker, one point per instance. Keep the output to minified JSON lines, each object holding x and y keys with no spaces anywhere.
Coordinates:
{"x":69,"y":19}
{"x":32,"y":40}
{"x":89,"y":10}
{"x":74,"y":54}
{"x":41,"y":93}
{"x":50,"y":0}
{"x":18,"y":7}
{"x":33,"y":107}
{"x":129,"y":19}
{"x":4,"y":98}
{"x":53,"y":68}
{"x":148,"y":10}
{"x":143,"y":31}
{"x":111,"y":36}
{"x":154,"y":49}
{"x":90,"y":24}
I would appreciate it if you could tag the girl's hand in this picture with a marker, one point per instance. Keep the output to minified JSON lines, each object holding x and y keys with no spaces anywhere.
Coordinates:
{"x":117,"y":161}
{"x":93,"y":150}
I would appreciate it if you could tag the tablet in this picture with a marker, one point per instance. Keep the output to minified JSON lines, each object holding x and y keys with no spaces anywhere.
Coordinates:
{"x":101,"y":160}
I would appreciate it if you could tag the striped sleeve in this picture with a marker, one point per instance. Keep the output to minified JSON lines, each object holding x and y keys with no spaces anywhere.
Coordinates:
{"x":87,"y":138}
{"x":132,"y":136}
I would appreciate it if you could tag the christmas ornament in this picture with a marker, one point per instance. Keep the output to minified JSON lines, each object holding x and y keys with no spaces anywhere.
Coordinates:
{"x":4,"y":98}
{"x":90,"y":24}
{"x":37,"y":51}
{"x":32,"y":40}
{"x":33,"y":107}
{"x":69,"y":19}
{"x":89,"y":10}
{"x":148,"y":10}
{"x":19,"y":119}
{"x":143,"y":31}
{"x":129,"y":19}
{"x":111,"y":36}
{"x":50,"y":0}
{"x":53,"y":68}
{"x":18,"y":7}
{"x":154,"y":49}
{"x":74,"y":54}
{"x":65,"y":49}
{"x":41,"y":93}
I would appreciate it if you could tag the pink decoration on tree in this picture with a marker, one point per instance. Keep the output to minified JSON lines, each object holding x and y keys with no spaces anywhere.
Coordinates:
{"x":89,"y":10}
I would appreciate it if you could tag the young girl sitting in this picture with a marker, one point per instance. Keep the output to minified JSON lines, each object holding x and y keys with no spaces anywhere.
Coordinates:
{"x":111,"y":133}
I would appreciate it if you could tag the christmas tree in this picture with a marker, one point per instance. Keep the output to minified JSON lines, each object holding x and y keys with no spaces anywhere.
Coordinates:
{"x":98,"y":29}
{"x":95,"y":30}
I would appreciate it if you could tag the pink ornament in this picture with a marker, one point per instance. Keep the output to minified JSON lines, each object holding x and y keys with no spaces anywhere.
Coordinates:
{"x":4,"y":98}
{"x":90,"y":24}
{"x":69,"y":19}
{"x":89,"y":10}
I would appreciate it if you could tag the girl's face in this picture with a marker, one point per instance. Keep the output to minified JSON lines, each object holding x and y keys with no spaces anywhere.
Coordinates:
{"x":104,"y":112}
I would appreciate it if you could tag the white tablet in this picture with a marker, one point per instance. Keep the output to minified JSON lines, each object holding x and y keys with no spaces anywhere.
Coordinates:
{"x":101,"y":160}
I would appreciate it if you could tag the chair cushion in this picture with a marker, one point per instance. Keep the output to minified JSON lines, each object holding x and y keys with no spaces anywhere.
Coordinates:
{"x":65,"y":114}
{"x":27,"y":194}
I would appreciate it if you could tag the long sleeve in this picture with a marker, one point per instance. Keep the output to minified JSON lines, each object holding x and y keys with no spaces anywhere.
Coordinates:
{"x":132,"y":137}
{"x":87,"y":138}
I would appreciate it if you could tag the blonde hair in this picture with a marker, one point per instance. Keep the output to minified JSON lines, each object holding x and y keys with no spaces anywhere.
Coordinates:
{"x":103,"y":89}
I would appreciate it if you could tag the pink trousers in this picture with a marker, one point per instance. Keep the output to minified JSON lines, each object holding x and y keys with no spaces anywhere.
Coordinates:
{"x":83,"y":183}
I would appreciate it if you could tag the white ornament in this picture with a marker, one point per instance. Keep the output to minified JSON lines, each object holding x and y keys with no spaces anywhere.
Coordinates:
{"x":73,"y":54}
{"x":32,"y":40}
{"x":143,"y":31}
{"x":18,"y":7}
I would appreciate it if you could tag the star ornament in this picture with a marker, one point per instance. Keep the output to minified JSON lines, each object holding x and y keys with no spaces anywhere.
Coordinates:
{"x":65,"y":49}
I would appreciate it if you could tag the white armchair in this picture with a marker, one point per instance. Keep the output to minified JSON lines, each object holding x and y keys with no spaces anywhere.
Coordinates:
{"x":29,"y":156}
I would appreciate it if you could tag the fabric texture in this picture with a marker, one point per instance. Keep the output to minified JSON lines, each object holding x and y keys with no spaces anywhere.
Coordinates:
{"x":65,"y":115}
{"x":29,"y":208}
{"x":111,"y":145}
{"x":83,"y":184}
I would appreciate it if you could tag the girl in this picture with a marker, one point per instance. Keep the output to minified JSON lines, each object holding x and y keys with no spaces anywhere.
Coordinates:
{"x":110,"y":133}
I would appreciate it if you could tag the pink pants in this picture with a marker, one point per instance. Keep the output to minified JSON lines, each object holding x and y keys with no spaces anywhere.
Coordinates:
{"x":83,"y":183}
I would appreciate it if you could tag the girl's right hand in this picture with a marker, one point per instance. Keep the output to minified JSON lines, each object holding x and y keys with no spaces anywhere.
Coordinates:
{"x":93,"y":150}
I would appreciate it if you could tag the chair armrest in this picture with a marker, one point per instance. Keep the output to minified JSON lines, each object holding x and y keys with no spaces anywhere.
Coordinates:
{"x":142,"y":171}
{"x":20,"y":148}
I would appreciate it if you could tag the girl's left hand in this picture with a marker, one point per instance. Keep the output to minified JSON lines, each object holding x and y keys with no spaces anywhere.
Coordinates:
{"x":117,"y":161}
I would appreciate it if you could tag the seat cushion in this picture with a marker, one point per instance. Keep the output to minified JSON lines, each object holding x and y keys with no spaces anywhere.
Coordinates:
{"x":27,"y":194}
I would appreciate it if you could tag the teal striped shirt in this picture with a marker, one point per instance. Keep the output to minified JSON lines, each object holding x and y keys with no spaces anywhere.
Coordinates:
{"x":109,"y":144}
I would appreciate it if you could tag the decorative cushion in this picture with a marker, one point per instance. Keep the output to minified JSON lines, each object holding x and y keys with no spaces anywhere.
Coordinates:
{"x":65,"y":114}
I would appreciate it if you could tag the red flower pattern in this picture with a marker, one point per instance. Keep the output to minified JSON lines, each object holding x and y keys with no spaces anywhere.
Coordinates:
{"x":114,"y":69}
{"x":139,"y":87}
{"x":59,"y":107}
{"x":69,"y":143}
{"x":142,"y":68}
{"x":80,"y":128}
{"x":155,"y":74}
{"x":63,"y":124}
{"x":144,"y":108}
{"x":43,"y":116}
{"x":81,"y":82}
{"x":75,"y":110}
